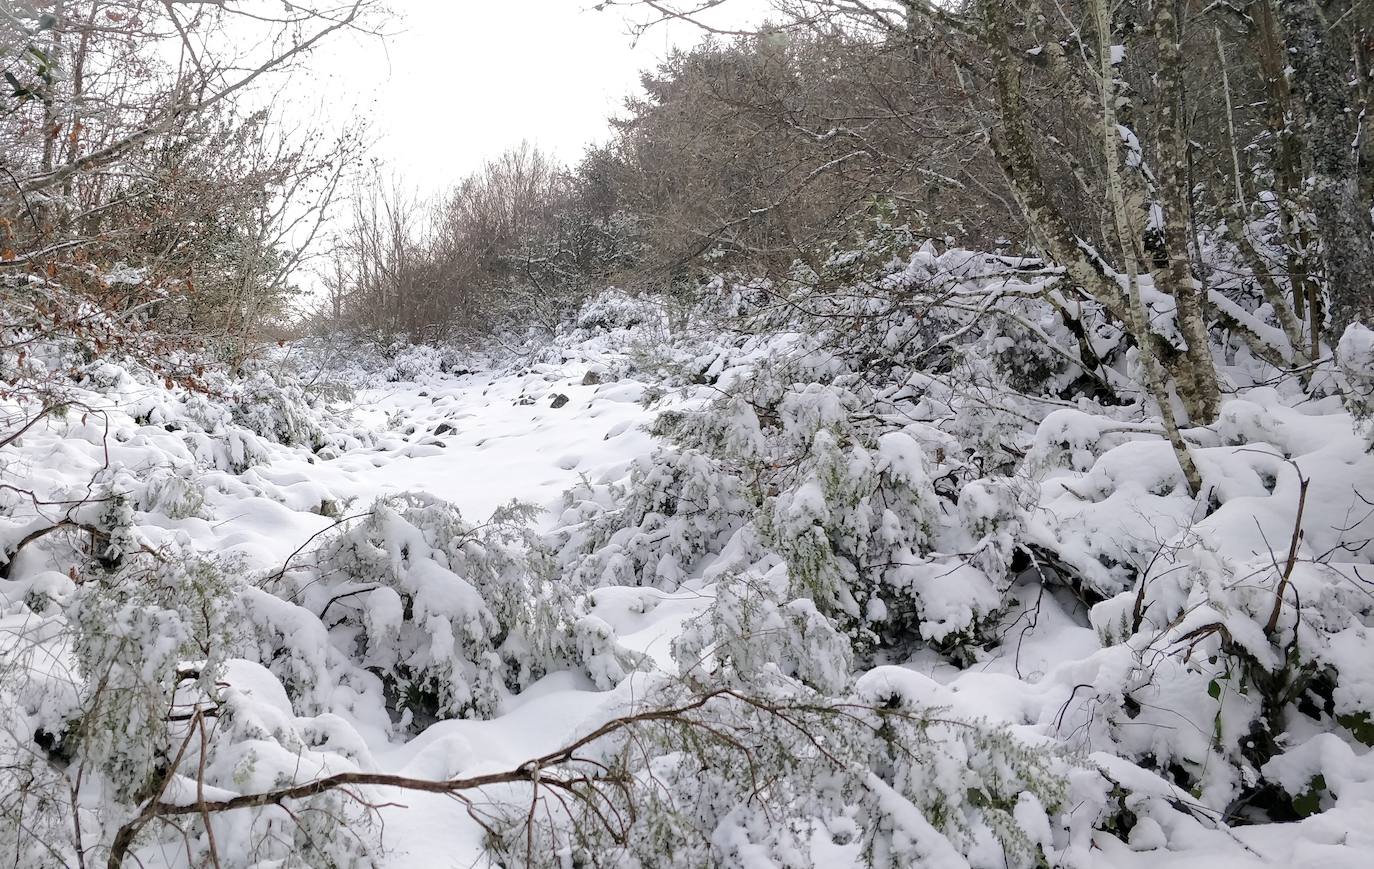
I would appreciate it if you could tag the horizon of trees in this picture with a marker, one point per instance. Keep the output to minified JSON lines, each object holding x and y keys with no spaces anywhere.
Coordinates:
{"x":980,"y":123}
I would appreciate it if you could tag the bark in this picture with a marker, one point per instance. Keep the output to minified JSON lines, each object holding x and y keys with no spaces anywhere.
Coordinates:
{"x":1197,"y":378}
{"x":1254,"y":260}
{"x":51,"y":125}
{"x":1127,"y":234}
{"x":1016,"y":157}
{"x":74,"y":124}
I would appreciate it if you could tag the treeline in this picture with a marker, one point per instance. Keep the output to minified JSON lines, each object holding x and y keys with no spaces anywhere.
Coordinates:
{"x":734,"y":158}
{"x":510,"y":245}
{"x":1141,"y":148}
{"x":1229,"y":126}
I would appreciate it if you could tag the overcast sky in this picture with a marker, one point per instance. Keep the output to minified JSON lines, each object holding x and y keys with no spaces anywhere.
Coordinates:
{"x":458,"y":81}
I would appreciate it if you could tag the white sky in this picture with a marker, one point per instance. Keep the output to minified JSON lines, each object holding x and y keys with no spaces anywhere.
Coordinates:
{"x":459,"y":81}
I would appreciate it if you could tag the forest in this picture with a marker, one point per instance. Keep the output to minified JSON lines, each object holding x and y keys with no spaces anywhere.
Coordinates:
{"x":915,"y":434}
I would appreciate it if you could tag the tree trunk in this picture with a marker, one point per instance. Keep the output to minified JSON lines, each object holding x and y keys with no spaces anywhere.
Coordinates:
{"x":1016,"y":156}
{"x":1322,"y":71}
{"x":1127,"y":233}
{"x":1281,"y":119}
{"x":1196,"y":377}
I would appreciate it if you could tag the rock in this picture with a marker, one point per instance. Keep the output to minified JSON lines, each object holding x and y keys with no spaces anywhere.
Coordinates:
{"x":525,"y":400}
{"x":445,"y":428}
{"x":591,"y":378}
{"x":422,"y":394}
{"x":558,"y":401}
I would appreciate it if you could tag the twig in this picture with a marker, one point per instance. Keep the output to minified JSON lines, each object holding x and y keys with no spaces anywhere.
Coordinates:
{"x":1273,"y":624}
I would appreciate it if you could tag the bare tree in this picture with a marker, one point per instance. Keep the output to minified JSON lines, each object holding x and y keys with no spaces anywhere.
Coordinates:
{"x":128,"y":150}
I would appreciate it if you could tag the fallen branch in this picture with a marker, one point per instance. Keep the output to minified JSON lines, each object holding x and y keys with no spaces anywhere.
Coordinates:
{"x":1272,"y":626}
{"x":13,"y":552}
{"x":536,"y":771}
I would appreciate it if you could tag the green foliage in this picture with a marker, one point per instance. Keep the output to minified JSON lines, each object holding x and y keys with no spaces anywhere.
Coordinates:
{"x":1360,"y":725}
{"x":28,"y":69}
{"x":1309,"y":802}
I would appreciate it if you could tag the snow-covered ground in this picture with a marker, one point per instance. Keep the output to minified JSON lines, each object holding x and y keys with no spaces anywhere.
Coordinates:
{"x":507,"y":441}
{"x":476,"y":440}
{"x":1058,"y":664}
{"x":504,"y":447}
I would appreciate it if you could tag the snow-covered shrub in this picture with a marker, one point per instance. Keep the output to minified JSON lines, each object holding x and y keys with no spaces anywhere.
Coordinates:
{"x":609,"y":311}
{"x":1230,"y":635}
{"x":261,"y":744}
{"x":1355,"y":354}
{"x":792,"y":456}
{"x":34,"y":788}
{"x":994,"y":512}
{"x":173,"y":492}
{"x":157,"y":627}
{"x":755,"y":627}
{"x":114,"y":537}
{"x":676,"y":507}
{"x":852,"y":530}
{"x":1116,"y":498}
{"x":417,"y":363}
{"x":279,"y":412}
{"x":101,"y":689}
{"x":449,"y":614}
{"x":606,"y":662}
{"x":1032,"y":364}
{"x":882,"y":778}
{"x":233,"y":425}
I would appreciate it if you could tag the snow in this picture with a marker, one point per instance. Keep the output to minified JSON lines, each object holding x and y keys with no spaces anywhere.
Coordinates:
{"x":379,"y":519}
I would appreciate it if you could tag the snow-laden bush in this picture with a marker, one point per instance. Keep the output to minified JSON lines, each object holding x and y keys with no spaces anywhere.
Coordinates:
{"x":994,"y":512}
{"x":276,"y":411}
{"x":1355,"y":353}
{"x":882,"y":777}
{"x":234,"y":425}
{"x":1229,"y":634}
{"x":605,"y":661}
{"x":611,"y":310}
{"x":260,"y":744}
{"x":417,"y":363}
{"x":794,"y":458}
{"x":173,"y":492}
{"x":102,"y":687}
{"x":449,"y":614}
{"x":755,"y":627}
{"x":140,"y":635}
{"x":675,"y":508}
{"x":851,"y":529}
